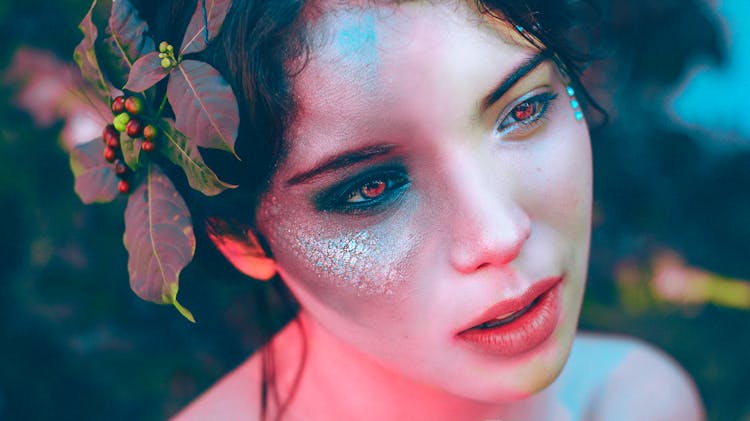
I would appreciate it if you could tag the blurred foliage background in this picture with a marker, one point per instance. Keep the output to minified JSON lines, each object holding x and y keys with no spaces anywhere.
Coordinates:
{"x":669,"y":259}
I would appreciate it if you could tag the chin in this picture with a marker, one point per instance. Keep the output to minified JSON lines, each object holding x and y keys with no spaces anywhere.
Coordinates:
{"x":521,"y":377}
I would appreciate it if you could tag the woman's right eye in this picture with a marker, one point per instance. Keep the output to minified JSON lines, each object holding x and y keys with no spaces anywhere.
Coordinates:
{"x":366,"y":193}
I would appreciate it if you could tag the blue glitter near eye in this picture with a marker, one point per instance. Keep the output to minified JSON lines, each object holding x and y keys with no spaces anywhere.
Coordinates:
{"x":519,"y":28}
{"x":570,"y":90}
{"x":579,"y":115}
{"x":574,"y":104}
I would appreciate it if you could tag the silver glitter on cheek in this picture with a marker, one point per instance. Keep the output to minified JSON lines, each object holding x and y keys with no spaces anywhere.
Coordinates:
{"x":351,"y":260}
{"x":366,"y":262}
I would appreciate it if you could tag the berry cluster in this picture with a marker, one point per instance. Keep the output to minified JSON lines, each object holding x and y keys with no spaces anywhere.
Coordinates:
{"x":129,"y":113}
{"x":166,"y":54}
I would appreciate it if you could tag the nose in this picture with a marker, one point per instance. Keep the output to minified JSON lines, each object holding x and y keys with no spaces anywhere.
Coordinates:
{"x":489,"y":227}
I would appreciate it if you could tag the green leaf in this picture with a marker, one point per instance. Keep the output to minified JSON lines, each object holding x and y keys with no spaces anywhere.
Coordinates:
{"x":95,"y":178}
{"x":85,"y":55}
{"x":204,"y":105}
{"x":146,"y":72}
{"x":159,"y":238}
{"x":195,"y":35}
{"x":127,"y":40}
{"x":184,"y":153}
{"x":131,"y":151}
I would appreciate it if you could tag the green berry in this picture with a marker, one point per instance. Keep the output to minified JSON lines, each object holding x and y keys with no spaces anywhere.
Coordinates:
{"x":122,"y":118}
{"x":163,"y":46}
{"x":170,"y":48}
{"x":162,"y":55}
{"x":166,"y":63}
{"x":134,"y":105}
{"x":121,"y":121}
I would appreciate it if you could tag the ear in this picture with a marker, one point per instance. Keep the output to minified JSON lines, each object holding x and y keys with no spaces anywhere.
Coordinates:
{"x":242,"y":248}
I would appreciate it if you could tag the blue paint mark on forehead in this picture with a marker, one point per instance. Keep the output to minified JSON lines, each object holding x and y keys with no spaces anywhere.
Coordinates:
{"x":356,"y":40}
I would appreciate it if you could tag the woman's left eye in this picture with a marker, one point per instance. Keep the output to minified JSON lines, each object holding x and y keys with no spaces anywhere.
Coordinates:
{"x":525,"y":113}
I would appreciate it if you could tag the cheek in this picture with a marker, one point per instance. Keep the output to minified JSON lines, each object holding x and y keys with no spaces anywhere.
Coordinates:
{"x":341,"y":264}
{"x":562,"y":180}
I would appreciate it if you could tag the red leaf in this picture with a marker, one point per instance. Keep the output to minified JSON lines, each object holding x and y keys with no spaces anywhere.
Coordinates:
{"x":204,"y":105}
{"x":184,"y":153}
{"x":146,"y":72}
{"x":159,"y":239}
{"x":128,"y":40}
{"x":195,"y":36}
{"x":85,"y":55}
{"x":95,"y":179}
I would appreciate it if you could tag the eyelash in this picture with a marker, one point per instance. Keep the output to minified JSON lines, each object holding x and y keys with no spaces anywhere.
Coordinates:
{"x":391,"y":182}
{"x":539,"y":106}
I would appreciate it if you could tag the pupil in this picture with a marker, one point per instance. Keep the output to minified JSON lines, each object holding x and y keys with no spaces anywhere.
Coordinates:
{"x":523,"y":111}
{"x":373,"y":188}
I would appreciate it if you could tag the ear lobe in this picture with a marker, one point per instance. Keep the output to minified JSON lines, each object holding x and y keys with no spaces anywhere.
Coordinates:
{"x":243,"y":251}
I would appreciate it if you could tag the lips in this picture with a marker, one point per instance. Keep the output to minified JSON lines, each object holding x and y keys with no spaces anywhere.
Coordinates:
{"x":511,"y":308}
{"x":519,"y":324}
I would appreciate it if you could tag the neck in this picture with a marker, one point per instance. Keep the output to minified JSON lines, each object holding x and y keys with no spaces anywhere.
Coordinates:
{"x":339,"y":382}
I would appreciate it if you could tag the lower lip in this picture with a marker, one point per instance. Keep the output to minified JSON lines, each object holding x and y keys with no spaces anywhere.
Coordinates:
{"x":523,"y":334}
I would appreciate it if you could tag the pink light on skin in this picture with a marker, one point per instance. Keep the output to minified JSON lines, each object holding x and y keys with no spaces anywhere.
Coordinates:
{"x":482,"y":215}
{"x":485,"y":215}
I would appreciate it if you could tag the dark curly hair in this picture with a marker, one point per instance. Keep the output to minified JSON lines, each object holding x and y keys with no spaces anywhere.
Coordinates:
{"x":258,"y":40}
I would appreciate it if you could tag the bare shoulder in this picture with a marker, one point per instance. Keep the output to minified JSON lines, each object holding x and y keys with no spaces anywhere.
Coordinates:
{"x":645,"y":384}
{"x":234,"y":397}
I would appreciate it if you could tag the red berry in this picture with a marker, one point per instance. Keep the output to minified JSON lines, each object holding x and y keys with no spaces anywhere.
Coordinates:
{"x":150,"y":132}
{"x":111,"y":136}
{"x":118,"y":105}
{"x":134,"y":105}
{"x":134,"y":128}
{"x":148,"y":146}
{"x":113,"y":143}
{"x":123,"y":186}
{"x":110,"y":154}
{"x":120,"y":168}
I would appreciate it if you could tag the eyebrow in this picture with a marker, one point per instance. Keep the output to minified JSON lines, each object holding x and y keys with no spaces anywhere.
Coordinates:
{"x":518,"y":73}
{"x":339,"y":161}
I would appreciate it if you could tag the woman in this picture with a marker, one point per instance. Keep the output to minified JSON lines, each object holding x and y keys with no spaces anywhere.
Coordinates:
{"x":423,"y":180}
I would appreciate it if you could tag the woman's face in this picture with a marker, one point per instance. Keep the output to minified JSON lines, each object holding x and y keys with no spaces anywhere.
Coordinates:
{"x":422,"y":195}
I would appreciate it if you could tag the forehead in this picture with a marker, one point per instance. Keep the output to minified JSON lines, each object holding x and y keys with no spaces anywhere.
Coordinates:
{"x":375,"y":63}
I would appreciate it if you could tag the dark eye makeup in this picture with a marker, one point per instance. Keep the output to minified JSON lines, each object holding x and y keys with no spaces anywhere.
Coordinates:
{"x":367,"y":192}
{"x":524,"y":114}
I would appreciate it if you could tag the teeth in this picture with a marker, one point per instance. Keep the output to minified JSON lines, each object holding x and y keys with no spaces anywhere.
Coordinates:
{"x":505,"y":315}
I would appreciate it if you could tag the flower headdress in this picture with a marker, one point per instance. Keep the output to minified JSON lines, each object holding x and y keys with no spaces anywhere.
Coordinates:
{"x":125,"y":67}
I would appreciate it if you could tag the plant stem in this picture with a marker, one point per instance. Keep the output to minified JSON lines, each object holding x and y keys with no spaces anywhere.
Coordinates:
{"x":161,"y":106}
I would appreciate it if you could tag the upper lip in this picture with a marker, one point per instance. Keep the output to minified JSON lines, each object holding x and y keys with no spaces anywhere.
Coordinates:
{"x":514,"y":304}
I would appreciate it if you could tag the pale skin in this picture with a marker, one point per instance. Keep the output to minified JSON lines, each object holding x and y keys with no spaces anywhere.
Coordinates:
{"x":453,"y":205}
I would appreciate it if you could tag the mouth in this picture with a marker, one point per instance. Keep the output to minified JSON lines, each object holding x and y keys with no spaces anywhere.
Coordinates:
{"x":518,"y":324}
{"x":507,"y":318}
